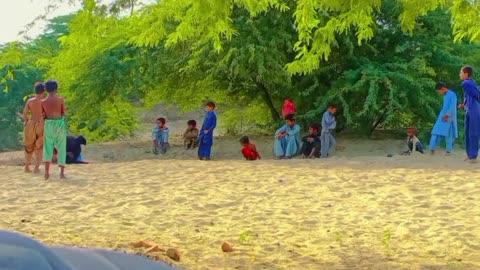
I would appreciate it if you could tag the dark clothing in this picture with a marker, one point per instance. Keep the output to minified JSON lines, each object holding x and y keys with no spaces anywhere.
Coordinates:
{"x":418,"y":144}
{"x":419,"y":147}
{"x":307,"y":146}
{"x":74,"y":148}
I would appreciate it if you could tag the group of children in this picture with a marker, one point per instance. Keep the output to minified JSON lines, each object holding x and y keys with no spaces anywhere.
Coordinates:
{"x":446,"y":127}
{"x":316,"y":144}
{"x":193,"y":137}
{"x":45,"y":128}
{"x":287,"y":141}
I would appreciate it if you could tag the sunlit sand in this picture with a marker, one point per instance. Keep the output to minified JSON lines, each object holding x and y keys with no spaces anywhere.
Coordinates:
{"x":357,"y":210}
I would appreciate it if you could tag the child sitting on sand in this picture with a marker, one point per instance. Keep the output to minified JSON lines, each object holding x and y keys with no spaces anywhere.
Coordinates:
{"x":311,"y":144}
{"x":160,"y":137}
{"x":191,"y":135}
{"x":249,"y":150}
{"x":413,"y":142}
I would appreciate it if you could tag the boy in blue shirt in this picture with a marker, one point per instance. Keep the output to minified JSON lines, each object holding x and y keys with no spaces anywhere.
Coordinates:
{"x":205,"y":138}
{"x":160,"y":137}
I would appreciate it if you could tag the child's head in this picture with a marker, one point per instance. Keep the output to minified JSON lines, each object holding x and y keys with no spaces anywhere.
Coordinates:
{"x":210,"y":106}
{"x":192,"y":124}
{"x":332,"y":108}
{"x":51,"y":86}
{"x":244,"y":141}
{"x":411,"y":132}
{"x":313,"y":129}
{"x":441,"y":88}
{"x":290,"y":120}
{"x":161,"y":122}
{"x":466,"y":72}
{"x":39,"y":88}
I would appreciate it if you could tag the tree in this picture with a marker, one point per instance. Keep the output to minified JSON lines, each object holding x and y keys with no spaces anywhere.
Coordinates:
{"x":388,"y":81}
{"x":17,"y":84}
{"x":317,"y":22}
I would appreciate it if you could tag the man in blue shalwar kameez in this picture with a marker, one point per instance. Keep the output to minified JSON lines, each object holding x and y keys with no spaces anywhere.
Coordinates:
{"x":205,"y":137}
{"x":287,"y":139}
{"x":471,"y":104}
{"x":446,"y":126}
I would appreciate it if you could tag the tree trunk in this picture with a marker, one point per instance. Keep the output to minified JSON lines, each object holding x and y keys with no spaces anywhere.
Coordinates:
{"x":378,"y":122}
{"x":268,"y":100}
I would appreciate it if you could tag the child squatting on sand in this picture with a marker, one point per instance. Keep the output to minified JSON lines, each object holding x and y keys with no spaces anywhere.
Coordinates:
{"x":190,"y":135}
{"x":413,"y":143}
{"x":249,"y":150}
{"x":311,"y":144}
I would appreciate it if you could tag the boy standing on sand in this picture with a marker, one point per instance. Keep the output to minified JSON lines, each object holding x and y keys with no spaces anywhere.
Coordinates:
{"x":471,"y":105}
{"x":445,"y":127}
{"x":55,"y":128}
{"x":205,"y":137}
{"x":33,"y":128}
{"x":328,"y":125}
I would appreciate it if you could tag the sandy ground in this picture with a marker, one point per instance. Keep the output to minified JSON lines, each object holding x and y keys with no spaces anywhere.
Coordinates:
{"x":357,"y":210}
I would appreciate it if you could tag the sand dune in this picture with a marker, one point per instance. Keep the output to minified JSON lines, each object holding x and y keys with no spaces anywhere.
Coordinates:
{"x":357,"y":210}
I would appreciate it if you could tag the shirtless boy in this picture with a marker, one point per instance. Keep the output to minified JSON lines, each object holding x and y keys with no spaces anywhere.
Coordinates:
{"x":33,"y":128}
{"x":55,"y":133}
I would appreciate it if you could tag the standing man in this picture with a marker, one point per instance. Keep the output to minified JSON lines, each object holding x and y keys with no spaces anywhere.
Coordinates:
{"x":55,"y":129}
{"x":446,"y":126}
{"x":471,"y":104}
{"x":33,"y":129}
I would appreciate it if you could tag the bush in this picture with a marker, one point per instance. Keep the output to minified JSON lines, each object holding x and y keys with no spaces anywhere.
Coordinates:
{"x":254,"y":118}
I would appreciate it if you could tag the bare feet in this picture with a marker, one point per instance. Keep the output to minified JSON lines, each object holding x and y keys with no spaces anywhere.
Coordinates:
{"x":47,"y":176}
{"x":27,"y":170}
{"x":471,"y":160}
{"x":62,"y":176}
{"x":36,"y":170}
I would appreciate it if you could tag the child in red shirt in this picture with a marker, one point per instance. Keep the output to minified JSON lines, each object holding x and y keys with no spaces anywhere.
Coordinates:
{"x":249,"y":150}
{"x":288,"y":107}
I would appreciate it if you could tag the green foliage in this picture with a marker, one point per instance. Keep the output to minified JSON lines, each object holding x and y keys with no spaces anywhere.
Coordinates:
{"x":253,"y":119}
{"x":377,"y":59}
{"x":318,"y":23}
{"x":388,"y":82}
{"x":17,"y":79}
{"x":244,"y":237}
{"x":386,"y":240}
